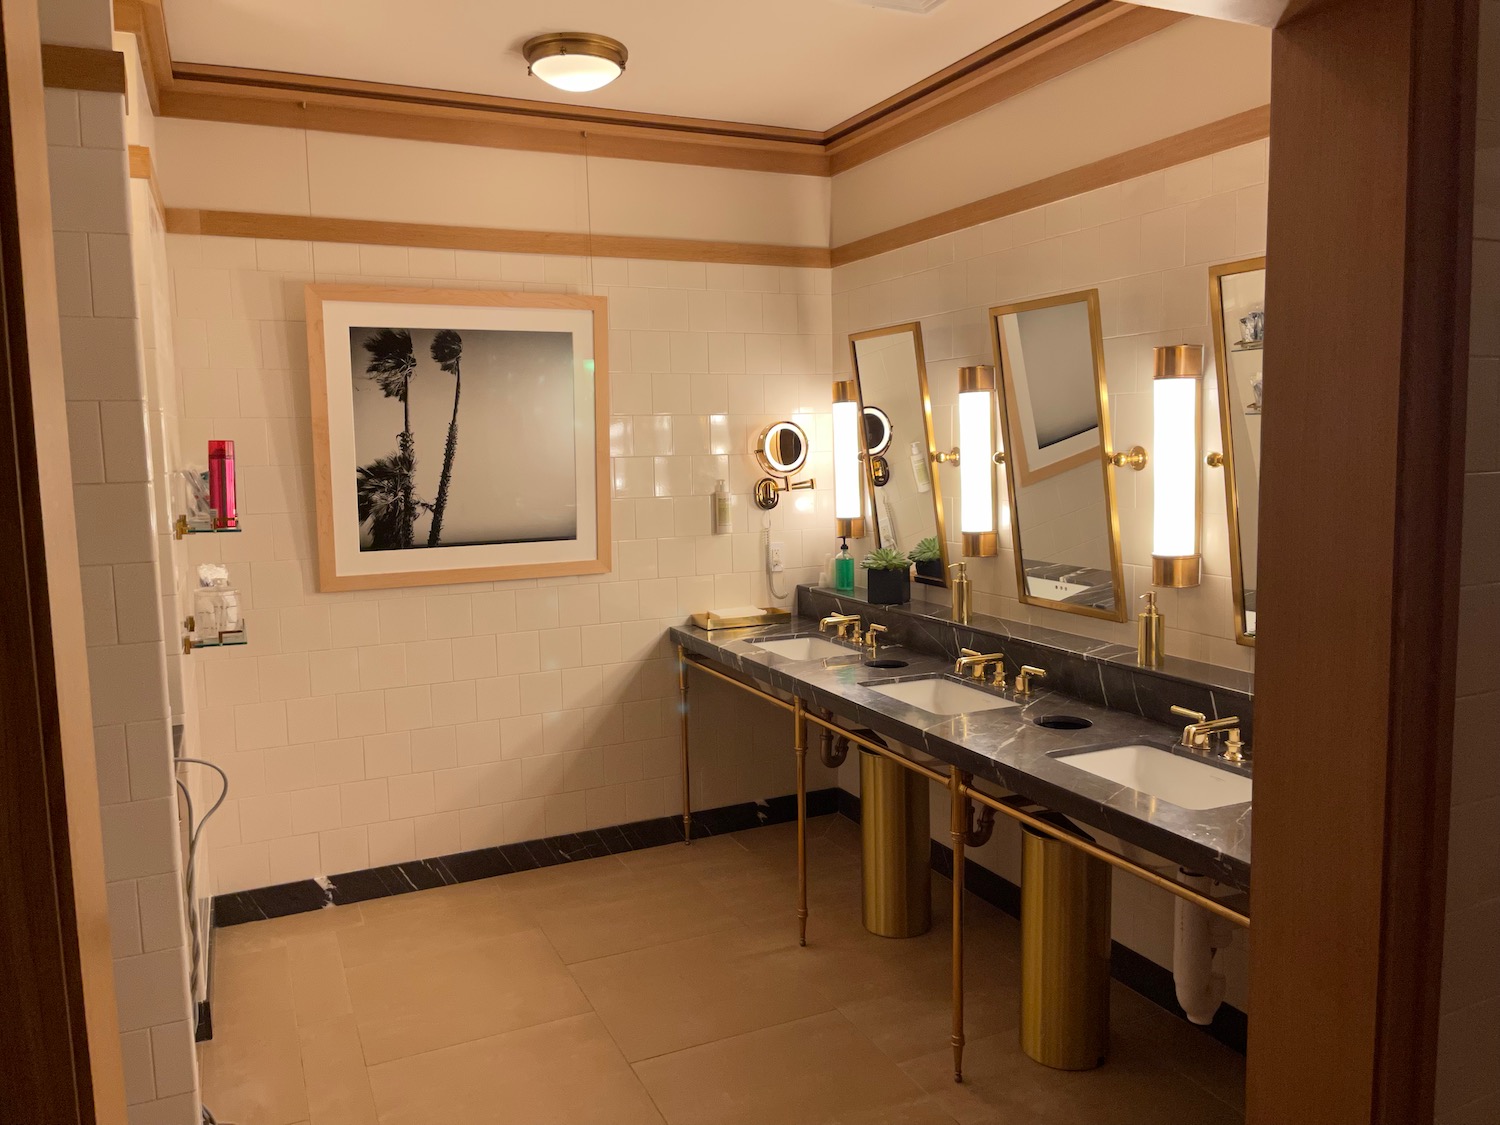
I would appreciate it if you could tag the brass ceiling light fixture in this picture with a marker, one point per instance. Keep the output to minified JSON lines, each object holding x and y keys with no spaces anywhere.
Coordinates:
{"x":575,"y":61}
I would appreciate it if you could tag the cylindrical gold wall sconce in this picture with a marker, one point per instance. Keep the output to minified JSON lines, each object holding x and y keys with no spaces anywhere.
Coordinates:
{"x":1177,"y":393}
{"x":976,"y":471}
{"x":848,"y":485}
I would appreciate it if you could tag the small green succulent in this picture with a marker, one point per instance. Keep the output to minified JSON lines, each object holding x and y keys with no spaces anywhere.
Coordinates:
{"x":926,"y":550}
{"x":886,"y":558}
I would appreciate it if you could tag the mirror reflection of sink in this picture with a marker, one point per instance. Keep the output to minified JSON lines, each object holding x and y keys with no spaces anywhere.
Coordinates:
{"x":1183,"y":781}
{"x":939,"y":695}
{"x":803,"y":648}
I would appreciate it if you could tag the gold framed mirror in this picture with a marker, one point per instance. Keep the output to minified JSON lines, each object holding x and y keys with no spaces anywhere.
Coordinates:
{"x":1237,"y":300}
{"x":906,"y":498}
{"x":1054,"y":415}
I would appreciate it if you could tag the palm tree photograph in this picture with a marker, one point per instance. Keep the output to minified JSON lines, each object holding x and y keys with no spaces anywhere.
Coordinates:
{"x":463,"y":437}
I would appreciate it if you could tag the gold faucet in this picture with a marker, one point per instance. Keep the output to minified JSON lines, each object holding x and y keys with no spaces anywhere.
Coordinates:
{"x":976,"y":662}
{"x":1198,"y":734}
{"x":1024,"y":678}
{"x":872,"y":640}
{"x":842,"y":621}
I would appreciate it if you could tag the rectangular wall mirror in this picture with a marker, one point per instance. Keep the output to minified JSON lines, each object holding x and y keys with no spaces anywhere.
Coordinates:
{"x":906,"y":497}
{"x":1237,"y":296}
{"x":1054,"y":411}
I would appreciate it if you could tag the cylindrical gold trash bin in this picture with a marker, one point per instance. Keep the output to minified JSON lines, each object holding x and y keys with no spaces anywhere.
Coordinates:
{"x":1064,"y":954}
{"x":897,"y":847}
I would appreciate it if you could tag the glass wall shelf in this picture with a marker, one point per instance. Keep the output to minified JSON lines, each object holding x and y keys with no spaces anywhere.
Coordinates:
{"x":192,"y":640}
{"x":198,"y":525}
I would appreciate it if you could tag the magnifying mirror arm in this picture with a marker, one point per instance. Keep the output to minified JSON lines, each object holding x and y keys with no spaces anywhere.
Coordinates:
{"x":768,"y":489}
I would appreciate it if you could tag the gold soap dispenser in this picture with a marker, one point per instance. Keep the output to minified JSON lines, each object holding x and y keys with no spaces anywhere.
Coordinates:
{"x":963,"y":593}
{"x":1151,"y":644}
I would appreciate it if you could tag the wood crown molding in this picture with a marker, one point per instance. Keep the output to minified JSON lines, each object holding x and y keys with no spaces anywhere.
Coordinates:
{"x":83,"y":68}
{"x":1073,"y":35}
{"x":314,"y":228}
{"x":1241,"y":128}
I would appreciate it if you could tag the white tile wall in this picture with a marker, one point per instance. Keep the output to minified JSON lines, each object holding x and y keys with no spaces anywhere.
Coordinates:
{"x":1146,"y":245}
{"x":1468,"y":1088}
{"x":370,"y":728}
{"x":107,"y":339}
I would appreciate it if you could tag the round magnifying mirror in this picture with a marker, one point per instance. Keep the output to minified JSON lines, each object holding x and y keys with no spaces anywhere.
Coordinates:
{"x":782,"y":448}
{"x":877,"y":430}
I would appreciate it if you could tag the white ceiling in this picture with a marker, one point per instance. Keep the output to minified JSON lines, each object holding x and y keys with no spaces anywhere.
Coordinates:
{"x":801,"y":63}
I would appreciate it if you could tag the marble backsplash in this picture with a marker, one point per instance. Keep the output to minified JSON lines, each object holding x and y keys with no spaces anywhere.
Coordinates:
{"x":1099,"y":672}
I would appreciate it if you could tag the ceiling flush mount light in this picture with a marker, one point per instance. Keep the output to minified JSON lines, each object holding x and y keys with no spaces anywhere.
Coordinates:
{"x":575,"y":61}
{"x":1178,"y":485}
{"x":976,"y":436}
{"x":848,"y":493}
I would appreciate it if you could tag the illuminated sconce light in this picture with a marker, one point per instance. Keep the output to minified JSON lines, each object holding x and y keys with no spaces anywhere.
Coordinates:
{"x":976,"y":437}
{"x":1177,"y":389}
{"x":848,"y":491}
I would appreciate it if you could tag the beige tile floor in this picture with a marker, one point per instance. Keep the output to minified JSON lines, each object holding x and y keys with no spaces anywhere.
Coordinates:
{"x":663,"y":986}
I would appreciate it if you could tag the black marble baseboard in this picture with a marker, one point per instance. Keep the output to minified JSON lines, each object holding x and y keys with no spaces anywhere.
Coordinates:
{"x":484,"y":863}
{"x":1134,"y":970}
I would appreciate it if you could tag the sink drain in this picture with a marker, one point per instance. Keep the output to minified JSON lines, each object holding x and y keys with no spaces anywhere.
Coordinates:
{"x":1062,"y":722}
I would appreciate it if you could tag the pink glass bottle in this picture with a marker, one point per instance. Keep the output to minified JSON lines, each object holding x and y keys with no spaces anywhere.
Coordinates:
{"x":221,"y":483}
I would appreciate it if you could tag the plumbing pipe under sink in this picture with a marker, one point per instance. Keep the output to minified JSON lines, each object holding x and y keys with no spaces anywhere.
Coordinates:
{"x":1199,"y":939}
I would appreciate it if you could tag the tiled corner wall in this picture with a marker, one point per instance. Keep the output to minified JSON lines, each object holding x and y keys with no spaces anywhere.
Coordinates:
{"x":1468,"y":1089}
{"x":112,"y":476}
{"x":1146,"y":245}
{"x":363,"y":729}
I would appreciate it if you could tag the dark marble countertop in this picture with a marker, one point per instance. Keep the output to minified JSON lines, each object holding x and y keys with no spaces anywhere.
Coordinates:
{"x":1003,"y":747}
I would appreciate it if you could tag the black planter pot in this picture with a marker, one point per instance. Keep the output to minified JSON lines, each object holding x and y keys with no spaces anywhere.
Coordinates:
{"x":888,"y":587}
{"x":930,"y":568}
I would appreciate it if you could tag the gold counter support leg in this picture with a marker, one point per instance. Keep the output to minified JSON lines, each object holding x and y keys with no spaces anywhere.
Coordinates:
{"x":799,"y":744}
{"x":958,"y":830}
{"x":682,"y":710}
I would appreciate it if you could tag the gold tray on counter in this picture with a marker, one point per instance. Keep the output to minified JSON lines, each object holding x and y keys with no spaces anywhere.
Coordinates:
{"x":770,"y":615}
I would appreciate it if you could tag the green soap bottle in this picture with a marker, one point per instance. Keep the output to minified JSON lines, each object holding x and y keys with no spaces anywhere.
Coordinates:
{"x":843,"y":569}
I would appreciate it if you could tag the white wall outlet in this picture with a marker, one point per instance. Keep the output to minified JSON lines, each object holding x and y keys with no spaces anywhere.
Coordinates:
{"x":777,"y":557}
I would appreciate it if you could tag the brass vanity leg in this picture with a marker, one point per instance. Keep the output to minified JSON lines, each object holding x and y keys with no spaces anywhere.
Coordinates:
{"x":682,"y":711}
{"x":799,"y":744}
{"x":958,"y":829}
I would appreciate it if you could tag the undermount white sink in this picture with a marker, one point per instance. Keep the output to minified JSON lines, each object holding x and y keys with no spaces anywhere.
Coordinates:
{"x":942,"y":696}
{"x":803,"y":648}
{"x":1158,"y":773}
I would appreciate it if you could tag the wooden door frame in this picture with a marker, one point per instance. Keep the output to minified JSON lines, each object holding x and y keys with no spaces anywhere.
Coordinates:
{"x":1369,"y":242}
{"x":59,"y":1038}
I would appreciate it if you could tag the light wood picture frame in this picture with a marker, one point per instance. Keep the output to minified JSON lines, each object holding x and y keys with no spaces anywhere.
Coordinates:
{"x":400,"y":378}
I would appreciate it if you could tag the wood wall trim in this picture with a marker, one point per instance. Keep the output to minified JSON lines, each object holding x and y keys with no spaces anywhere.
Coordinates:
{"x":313,"y":228}
{"x":143,"y":168}
{"x":145,"y":20}
{"x":83,"y":68}
{"x":1368,"y":243}
{"x":1064,"y":46}
{"x":1075,"y":34}
{"x":1239,"y":129}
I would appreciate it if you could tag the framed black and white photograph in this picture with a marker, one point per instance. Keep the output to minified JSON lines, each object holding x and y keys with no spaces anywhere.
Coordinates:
{"x":457,"y":436}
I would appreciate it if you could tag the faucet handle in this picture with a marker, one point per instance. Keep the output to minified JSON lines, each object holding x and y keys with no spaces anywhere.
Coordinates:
{"x":1025,"y":676}
{"x":1196,"y":716}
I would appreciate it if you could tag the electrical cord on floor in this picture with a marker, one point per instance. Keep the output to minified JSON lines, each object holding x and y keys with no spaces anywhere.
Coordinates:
{"x":189,"y":891}
{"x":765,"y":545}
